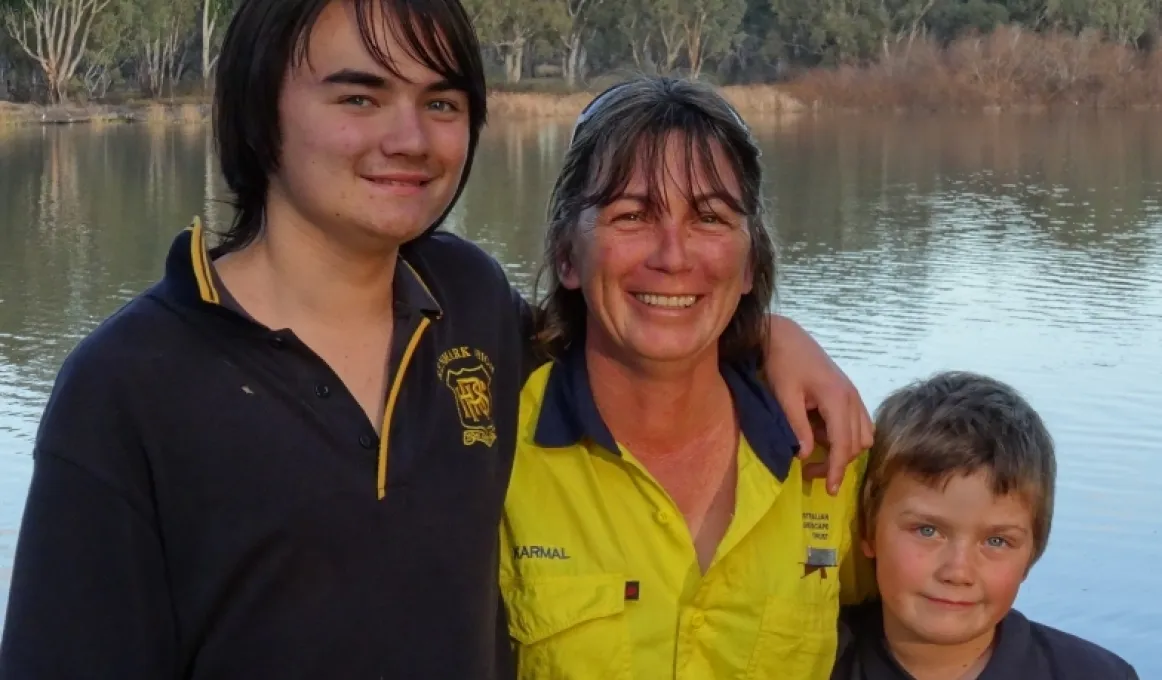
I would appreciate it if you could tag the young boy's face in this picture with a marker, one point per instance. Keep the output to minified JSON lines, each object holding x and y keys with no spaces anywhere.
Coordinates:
{"x":949,"y":561}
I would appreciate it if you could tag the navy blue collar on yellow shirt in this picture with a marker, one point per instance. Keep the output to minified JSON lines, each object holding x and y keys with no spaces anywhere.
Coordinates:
{"x":569,"y":413}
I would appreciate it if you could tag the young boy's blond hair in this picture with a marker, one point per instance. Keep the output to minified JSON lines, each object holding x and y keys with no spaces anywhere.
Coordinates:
{"x":959,"y":423}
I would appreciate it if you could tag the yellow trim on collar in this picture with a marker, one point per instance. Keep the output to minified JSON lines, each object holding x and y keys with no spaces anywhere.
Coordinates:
{"x":200,"y":258}
{"x":397,"y":383}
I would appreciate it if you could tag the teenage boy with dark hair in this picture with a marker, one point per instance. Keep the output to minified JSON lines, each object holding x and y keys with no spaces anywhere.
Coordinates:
{"x":288,"y":458}
{"x":956,"y":508}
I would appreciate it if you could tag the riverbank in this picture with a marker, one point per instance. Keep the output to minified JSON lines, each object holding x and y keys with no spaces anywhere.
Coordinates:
{"x":156,"y":113}
{"x":1004,"y":72}
{"x":1010,"y":69}
{"x":750,"y":100}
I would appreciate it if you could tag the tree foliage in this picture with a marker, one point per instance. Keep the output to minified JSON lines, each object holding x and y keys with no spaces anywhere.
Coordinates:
{"x":160,"y":48}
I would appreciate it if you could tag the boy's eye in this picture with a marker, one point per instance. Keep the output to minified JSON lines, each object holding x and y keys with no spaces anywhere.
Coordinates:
{"x":997,"y":542}
{"x":444,"y":106}
{"x":357,"y":100}
{"x":925,"y":530}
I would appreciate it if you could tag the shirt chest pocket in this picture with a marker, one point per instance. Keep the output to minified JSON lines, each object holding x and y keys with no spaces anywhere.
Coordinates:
{"x":569,"y":627}
{"x":797,"y":639}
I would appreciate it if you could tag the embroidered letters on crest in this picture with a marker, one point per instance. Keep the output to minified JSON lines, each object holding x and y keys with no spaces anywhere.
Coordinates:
{"x":467,"y":373}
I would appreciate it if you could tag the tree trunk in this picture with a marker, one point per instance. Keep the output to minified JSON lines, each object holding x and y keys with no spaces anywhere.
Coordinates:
{"x":570,"y":69}
{"x":672,"y":44}
{"x":175,"y":57}
{"x":514,"y":58}
{"x":694,"y":44}
{"x":151,"y":72}
{"x":54,"y":33}
{"x":572,"y":39}
{"x":209,"y":25}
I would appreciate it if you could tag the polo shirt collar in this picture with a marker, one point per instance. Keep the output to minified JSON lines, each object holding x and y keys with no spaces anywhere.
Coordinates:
{"x":1014,"y":653}
{"x":189,"y":278}
{"x":569,"y":413}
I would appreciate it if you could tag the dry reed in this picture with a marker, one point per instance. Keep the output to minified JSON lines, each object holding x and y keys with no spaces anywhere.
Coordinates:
{"x":191,"y":114}
{"x":748,"y":99}
{"x":156,"y":114}
{"x":1008,"y":69}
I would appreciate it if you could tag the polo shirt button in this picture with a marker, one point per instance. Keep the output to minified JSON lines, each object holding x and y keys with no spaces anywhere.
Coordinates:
{"x":663,"y":516}
{"x":365,"y":441}
{"x":322,"y":391}
{"x":697,"y":619}
{"x":276,"y":341}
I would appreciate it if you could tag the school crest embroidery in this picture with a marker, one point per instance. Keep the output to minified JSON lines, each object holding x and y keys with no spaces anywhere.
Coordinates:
{"x":467,"y":373}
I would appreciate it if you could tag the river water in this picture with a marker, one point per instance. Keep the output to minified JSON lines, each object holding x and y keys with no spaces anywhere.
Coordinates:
{"x":1029,"y":248}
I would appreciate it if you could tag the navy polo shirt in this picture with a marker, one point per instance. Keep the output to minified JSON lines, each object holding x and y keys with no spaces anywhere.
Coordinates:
{"x":1022,"y":650}
{"x":209,"y":501}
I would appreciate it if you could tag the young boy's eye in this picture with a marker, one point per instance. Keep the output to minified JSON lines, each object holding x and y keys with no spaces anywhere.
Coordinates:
{"x":997,"y":542}
{"x":925,"y":530}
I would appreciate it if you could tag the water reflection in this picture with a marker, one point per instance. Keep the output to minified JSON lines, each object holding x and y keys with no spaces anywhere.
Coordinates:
{"x":1028,"y":248}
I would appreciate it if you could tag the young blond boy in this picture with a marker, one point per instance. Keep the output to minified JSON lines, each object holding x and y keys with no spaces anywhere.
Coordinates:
{"x":956,"y":508}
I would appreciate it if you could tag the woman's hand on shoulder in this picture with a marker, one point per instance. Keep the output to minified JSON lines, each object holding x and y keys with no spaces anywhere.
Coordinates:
{"x":820,"y":401}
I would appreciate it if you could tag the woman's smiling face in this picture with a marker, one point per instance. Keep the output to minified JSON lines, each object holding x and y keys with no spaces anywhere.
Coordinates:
{"x":662,"y":270}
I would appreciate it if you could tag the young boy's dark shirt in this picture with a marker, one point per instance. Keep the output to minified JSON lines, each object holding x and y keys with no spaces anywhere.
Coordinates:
{"x":1023,"y":650}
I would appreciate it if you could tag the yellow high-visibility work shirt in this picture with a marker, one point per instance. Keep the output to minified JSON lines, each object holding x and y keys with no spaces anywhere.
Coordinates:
{"x":598,"y":569}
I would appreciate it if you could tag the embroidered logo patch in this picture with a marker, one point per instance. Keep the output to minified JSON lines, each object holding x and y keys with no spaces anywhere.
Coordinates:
{"x":467,"y":373}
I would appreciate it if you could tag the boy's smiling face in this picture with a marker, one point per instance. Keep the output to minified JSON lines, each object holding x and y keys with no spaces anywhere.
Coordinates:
{"x":950,"y":558}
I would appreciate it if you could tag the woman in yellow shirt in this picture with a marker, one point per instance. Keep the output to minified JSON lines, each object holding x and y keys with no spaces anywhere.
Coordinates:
{"x":657,"y":523}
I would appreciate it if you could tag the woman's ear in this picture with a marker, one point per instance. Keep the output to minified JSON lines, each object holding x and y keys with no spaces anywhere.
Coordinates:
{"x":567,"y":273}
{"x":748,"y":273}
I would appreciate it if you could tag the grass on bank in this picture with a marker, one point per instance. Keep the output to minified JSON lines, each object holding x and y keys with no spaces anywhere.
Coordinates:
{"x":748,"y":99}
{"x":1008,"y":69}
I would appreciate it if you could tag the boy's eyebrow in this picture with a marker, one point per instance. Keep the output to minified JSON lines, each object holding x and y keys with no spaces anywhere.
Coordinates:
{"x":348,"y":76}
{"x":443,"y":85}
{"x":922,"y":516}
{"x":936,"y":519}
{"x":1009,"y":527}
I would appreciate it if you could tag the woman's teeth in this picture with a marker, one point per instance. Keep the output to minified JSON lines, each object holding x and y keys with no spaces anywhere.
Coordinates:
{"x":672,"y":301}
